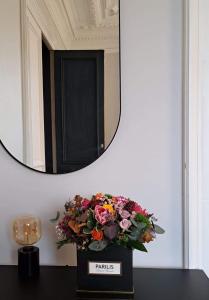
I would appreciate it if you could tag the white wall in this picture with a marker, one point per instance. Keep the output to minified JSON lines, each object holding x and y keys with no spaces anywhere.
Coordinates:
{"x":204,"y":102}
{"x":10,"y":73}
{"x":143,"y":162}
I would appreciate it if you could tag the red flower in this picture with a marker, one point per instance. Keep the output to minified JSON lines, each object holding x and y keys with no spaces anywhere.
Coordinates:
{"x":138,"y":209}
{"x":97,"y":234}
{"x":85,"y":203}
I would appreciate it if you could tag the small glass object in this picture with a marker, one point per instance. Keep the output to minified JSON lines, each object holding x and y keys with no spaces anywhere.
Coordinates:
{"x":27,"y":232}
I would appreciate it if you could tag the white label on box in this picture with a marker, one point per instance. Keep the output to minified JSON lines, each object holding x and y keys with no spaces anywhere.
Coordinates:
{"x":104,"y":268}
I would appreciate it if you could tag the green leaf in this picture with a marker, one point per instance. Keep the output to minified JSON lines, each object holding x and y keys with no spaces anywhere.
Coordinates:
{"x":86,"y":230}
{"x":90,"y":224}
{"x":98,"y":245}
{"x":137,"y":245}
{"x":135,"y":233}
{"x":108,"y":196}
{"x":134,"y":222}
{"x":90,"y":215}
{"x":141,"y":226}
{"x":125,"y":238}
{"x":123,"y":241}
{"x":90,"y":220}
{"x":56,"y":218}
{"x":143,"y":219}
{"x":158,"y":229}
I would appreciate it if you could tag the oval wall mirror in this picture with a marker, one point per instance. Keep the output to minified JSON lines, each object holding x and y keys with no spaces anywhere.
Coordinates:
{"x":68,"y":110}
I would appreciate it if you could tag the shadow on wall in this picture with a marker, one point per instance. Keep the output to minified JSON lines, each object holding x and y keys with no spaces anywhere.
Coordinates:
{"x":64,"y":256}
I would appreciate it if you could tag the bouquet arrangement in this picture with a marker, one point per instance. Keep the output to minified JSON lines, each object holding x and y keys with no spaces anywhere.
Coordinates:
{"x":104,"y":220}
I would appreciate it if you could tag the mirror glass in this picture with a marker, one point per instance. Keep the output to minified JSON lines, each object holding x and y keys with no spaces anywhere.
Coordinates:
{"x":59,"y":81}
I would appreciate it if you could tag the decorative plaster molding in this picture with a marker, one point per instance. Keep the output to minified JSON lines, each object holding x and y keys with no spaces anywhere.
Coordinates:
{"x":99,"y":25}
{"x":95,"y":12}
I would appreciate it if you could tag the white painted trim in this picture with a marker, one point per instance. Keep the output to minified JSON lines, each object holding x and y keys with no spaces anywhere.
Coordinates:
{"x":34,"y":153}
{"x":185,"y":93}
{"x":192,"y":137}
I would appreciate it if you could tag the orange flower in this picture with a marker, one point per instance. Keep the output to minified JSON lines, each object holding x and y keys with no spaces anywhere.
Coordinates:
{"x":99,"y":196}
{"x":97,"y":234}
{"x":75,"y":226}
{"x":71,"y":209}
{"x":147,"y":237}
{"x":114,"y":199}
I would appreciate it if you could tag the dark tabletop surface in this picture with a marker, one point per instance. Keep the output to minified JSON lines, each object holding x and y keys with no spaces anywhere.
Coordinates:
{"x":60,"y":283}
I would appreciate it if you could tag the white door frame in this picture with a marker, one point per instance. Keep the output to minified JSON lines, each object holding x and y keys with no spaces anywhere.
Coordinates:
{"x":32,"y":91}
{"x":191,"y":138}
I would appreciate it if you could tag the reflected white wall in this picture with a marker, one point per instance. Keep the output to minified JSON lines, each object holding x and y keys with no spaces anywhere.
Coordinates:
{"x":11,"y":128}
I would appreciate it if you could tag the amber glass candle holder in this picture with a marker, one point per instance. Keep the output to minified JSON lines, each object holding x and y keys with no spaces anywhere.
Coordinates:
{"x":27,"y":232}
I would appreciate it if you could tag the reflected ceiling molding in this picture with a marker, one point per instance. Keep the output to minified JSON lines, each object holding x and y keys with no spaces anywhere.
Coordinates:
{"x":60,"y":18}
{"x":69,"y":24}
{"x":95,"y":20}
{"x":96,"y":12}
{"x":104,"y":13}
{"x":112,"y":7}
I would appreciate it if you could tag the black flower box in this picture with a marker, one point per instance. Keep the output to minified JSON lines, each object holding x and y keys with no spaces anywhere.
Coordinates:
{"x":105,"y":272}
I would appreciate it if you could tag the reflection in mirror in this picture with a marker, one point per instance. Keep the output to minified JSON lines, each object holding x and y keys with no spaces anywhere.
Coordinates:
{"x":62,"y":58}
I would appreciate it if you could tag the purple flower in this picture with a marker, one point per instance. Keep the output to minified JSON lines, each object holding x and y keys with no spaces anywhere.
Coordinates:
{"x":124,"y":214}
{"x":125,"y":224}
{"x":111,"y":231}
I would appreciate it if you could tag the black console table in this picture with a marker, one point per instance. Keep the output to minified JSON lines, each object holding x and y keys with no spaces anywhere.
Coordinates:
{"x":60,"y":283}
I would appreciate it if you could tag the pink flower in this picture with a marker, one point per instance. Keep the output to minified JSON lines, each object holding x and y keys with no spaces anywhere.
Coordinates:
{"x":85,"y":203}
{"x":138,"y":209}
{"x":120,"y":202}
{"x":125,"y":224}
{"x":133,"y":215}
{"x":124,"y":214}
{"x":101,"y":214}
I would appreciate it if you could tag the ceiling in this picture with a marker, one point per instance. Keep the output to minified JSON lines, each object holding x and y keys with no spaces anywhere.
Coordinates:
{"x":96,"y":21}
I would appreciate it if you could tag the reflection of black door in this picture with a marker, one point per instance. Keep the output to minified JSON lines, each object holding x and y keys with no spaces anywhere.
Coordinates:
{"x":79,"y":108}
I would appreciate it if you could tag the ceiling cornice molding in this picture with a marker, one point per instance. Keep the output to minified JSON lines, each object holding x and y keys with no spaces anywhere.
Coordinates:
{"x":60,"y":22}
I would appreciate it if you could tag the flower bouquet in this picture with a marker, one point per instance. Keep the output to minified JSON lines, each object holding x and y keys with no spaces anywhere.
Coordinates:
{"x":105,"y":229}
{"x":105,"y":220}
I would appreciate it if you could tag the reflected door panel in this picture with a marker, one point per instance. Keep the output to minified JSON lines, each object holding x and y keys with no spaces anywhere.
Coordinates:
{"x":79,"y":103}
